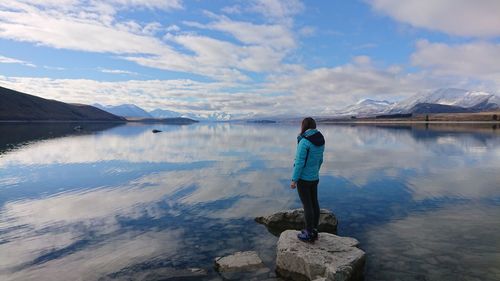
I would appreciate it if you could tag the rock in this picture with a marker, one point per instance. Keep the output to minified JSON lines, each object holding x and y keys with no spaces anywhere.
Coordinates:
{"x":294,"y":219}
{"x":156,"y":131}
{"x":331,"y":257}
{"x":239,"y":261}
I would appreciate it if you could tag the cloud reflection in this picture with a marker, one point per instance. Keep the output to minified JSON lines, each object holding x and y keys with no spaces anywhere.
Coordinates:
{"x":246,"y":175}
{"x":96,"y":261}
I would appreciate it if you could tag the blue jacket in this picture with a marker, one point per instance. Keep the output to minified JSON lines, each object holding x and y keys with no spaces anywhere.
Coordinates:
{"x":309,"y":156}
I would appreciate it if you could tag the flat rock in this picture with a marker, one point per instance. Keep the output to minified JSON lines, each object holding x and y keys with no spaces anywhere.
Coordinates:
{"x":331,"y":257}
{"x":239,"y":261}
{"x":294,"y":219}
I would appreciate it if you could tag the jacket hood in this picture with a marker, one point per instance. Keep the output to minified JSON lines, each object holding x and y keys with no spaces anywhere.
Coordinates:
{"x":314,"y":136}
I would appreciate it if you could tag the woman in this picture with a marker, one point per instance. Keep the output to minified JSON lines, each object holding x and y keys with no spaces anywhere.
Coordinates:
{"x":308,"y":160}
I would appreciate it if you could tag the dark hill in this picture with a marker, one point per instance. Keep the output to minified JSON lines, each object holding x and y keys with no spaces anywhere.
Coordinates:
{"x":438,"y":108}
{"x":17,"y":106}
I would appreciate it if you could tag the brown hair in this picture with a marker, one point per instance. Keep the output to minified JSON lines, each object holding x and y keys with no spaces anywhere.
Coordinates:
{"x":307,"y":123}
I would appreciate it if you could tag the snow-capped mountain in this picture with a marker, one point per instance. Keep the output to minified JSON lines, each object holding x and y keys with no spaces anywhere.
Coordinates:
{"x":162,"y":113}
{"x":214,"y":116}
{"x":439,"y":101}
{"x":125,"y":110}
{"x":473,"y":100}
{"x":365,"y":107}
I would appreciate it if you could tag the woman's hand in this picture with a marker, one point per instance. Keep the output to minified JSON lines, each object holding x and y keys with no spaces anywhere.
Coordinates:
{"x":293,"y":185}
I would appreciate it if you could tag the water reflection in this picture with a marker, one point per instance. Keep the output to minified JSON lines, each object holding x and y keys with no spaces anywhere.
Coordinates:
{"x":13,"y":135}
{"x":125,"y":201}
{"x":452,"y":243}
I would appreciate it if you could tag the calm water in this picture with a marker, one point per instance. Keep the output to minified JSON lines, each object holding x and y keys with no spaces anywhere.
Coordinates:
{"x":121,"y":203}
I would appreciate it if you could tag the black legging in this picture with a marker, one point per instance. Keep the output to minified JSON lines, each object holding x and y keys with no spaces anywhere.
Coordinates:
{"x":308,"y":193}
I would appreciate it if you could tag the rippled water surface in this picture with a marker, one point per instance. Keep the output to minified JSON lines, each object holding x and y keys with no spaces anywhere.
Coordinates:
{"x":117,"y":202}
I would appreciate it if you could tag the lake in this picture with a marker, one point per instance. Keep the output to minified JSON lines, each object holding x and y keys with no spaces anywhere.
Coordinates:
{"x":117,"y":202}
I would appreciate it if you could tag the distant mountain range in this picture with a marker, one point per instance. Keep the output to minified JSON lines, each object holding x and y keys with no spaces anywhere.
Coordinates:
{"x":215,"y":116}
{"x":447,"y":100}
{"x":20,"y":106}
{"x":126,"y":110}
{"x":133,"y":111}
{"x":15,"y":106}
{"x":161,"y":113}
{"x":365,"y":107}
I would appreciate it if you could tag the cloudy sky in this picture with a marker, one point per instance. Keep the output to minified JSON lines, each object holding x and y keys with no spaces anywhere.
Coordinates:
{"x":245,"y":58}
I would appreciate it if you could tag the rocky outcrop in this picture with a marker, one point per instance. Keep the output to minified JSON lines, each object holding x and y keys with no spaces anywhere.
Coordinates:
{"x":294,"y":219}
{"x":331,"y":257}
{"x":239,"y":261}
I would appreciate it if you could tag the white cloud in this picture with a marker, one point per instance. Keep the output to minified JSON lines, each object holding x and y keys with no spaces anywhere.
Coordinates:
{"x":235,"y":9}
{"x":470,"y":61}
{"x":96,"y":27}
{"x":266,"y":49}
{"x":455,"y":17}
{"x":54,"y":67}
{"x":173,"y":27}
{"x":290,"y":90}
{"x":263,"y":47}
{"x":16,"y":61}
{"x":263,"y":51}
{"x":321,"y":90}
{"x":150,"y":4}
{"x":113,"y":4}
{"x":275,"y":36}
{"x":362,"y":60}
{"x":278,"y":10}
{"x":117,"y":71}
{"x":62,"y":30}
{"x":184,"y":96}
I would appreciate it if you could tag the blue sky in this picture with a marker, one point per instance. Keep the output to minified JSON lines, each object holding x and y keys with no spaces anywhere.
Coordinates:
{"x":247,"y":58}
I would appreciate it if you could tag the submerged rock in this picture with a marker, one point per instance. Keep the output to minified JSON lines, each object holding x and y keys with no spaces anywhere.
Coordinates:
{"x":294,"y":219}
{"x":166,"y":273}
{"x":331,"y":257}
{"x":239,"y":261}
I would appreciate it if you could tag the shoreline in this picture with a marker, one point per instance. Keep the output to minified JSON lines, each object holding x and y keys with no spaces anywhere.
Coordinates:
{"x":407,"y":122}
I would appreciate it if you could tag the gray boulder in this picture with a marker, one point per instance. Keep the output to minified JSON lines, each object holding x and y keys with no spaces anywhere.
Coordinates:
{"x":331,"y":257}
{"x":294,"y":219}
{"x":239,"y":261}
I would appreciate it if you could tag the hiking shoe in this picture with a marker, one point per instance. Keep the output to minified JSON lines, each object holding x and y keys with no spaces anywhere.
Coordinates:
{"x":306,"y":236}
{"x":314,"y":233}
